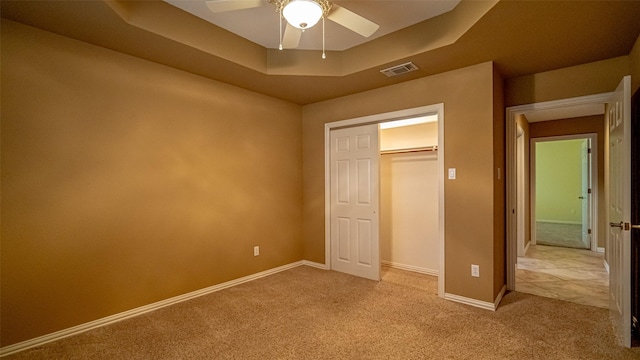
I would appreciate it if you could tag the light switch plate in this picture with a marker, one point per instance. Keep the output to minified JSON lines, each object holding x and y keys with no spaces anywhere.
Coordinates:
{"x":452,"y":173}
{"x":475,"y":270}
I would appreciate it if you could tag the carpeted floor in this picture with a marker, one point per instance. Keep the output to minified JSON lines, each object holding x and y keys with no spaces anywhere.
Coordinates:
{"x":306,"y":313}
{"x":565,"y":235}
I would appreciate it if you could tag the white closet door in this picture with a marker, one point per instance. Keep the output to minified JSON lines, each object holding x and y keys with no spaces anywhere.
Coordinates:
{"x":355,"y":201}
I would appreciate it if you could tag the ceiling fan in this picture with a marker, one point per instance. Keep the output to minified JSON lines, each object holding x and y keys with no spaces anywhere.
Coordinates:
{"x":301,"y":15}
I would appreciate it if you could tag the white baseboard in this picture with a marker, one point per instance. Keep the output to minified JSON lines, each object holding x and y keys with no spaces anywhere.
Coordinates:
{"x":560,"y":222}
{"x":606,"y":266}
{"x":412,"y":268}
{"x":600,"y":249}
{"x":496,"y":303}
{"x":526,"y":247}
{"x":41,"y":340}
{"x":315,"y":264}
{"x":477,"y":303}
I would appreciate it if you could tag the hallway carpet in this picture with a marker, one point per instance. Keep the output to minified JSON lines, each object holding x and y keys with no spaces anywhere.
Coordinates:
{"x":307,"y":313}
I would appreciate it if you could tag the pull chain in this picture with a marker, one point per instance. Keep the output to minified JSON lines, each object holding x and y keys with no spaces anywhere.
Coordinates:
{"x":280,"y":47}
{"x":324,"y":56}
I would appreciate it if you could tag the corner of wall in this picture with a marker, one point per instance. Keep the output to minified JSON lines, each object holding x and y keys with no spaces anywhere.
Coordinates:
{"x":499,"y":187}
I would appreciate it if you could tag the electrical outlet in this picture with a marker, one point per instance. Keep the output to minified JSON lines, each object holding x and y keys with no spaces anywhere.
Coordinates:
{"x":256,"y":250}
{"x":475,"y":270}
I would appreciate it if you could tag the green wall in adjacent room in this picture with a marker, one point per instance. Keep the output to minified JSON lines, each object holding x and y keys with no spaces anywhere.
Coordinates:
{"x":559,"y":181}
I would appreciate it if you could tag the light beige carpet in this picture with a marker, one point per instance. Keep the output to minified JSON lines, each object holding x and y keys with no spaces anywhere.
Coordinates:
{"x":565,"y":235}
{"x":306,"y":313}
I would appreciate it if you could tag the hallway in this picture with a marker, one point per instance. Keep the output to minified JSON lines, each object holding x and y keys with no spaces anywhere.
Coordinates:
{"x":573,"y":275}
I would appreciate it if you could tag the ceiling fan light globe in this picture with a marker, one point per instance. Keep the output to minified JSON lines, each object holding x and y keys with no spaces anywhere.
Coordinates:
{"x":302,"y":14}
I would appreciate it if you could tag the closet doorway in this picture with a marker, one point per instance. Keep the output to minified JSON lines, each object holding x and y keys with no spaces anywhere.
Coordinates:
{"x":408,"y":196}
{"x":331,"y":200}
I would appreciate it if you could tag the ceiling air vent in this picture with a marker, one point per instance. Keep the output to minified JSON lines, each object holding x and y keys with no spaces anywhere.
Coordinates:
{"x":399,"y":69}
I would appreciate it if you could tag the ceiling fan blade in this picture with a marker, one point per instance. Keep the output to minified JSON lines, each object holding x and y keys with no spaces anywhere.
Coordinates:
{"x":291,"y":37}
{"x":352,"y":21}
{"x":219,"y":6}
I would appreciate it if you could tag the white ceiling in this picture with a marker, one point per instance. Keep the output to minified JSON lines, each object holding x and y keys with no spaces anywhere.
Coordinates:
{"x":260,"y":25}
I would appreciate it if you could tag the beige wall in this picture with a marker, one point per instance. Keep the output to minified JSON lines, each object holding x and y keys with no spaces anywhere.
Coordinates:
{"x":587,"y":79}
{"x":499,"y":186}
{"x":125,"y":182}
{"x":581,"y":125}
{"x":470,"y":200}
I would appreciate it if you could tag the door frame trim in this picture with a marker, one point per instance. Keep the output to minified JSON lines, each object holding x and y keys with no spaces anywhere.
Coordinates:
{"x":377,"y":119}
{"x":511,"y":134}
{"x":593,"y":163}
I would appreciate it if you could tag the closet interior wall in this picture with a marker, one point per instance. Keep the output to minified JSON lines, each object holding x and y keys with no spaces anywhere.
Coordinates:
{"x":409,"y":198}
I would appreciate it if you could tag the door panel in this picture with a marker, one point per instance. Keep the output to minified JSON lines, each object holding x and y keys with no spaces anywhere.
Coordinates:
{"x":342,"y":168}
{"x":364,"y":181}
{"x":354,"y":201}
{"x":619,"y":251}
{"x":344,"y":246}
{"x":364,"y":242}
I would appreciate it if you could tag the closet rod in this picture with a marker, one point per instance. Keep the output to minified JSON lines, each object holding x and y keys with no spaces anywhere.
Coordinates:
{"x":408,"y":150}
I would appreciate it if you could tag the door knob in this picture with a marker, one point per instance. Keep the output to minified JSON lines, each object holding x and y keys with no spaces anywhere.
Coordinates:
{"x":616,"y":225}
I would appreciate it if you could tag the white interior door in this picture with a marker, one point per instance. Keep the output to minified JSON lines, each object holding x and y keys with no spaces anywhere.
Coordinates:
{"x":619,"y":250}
{"x":585,"y":192}
{"x":355,"y":201}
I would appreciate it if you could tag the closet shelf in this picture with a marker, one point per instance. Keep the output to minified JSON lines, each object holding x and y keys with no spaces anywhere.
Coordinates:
{"x":408,"y":150}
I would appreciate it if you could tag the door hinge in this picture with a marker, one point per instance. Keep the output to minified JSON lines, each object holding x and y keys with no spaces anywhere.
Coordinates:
{"x":589,"y":231}
{"x":589,"y":191}
{"x":589,"y":151}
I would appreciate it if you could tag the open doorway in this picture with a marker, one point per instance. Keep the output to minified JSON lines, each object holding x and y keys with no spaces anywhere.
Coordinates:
{"x":553,"y":118}
{"x":616,"y":239}
{"x":565,"y":273}
{"x":564,"y":190}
